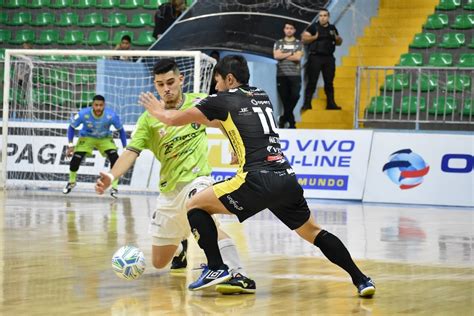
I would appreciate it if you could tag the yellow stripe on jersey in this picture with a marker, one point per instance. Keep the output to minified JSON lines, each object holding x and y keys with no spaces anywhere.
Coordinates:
{"x":230,"y":185}
{"x":236,"y":140}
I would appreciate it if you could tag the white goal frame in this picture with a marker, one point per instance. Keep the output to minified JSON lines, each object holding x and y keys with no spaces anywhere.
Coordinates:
{"x":9,"y":53}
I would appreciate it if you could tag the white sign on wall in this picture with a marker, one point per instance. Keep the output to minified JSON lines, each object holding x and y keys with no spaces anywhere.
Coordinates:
{"x":426,"y":168}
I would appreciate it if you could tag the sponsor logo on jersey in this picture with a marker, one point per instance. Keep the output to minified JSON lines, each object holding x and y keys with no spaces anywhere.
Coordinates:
{"x":87,"y":116}
{"x":234,"y":203}
{"x":260,"y":102}
{"x":195,"y":125}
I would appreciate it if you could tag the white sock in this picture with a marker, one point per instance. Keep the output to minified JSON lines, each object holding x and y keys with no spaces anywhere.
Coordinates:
{"x":230,"y":256}
{"x":178,"y":250}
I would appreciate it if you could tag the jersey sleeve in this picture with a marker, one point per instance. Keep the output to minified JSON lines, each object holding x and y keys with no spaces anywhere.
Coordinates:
{"x":140,"y":135}
{"x":76,"y":120}
{"x":213,"y":107}
{"x":116,"y":122}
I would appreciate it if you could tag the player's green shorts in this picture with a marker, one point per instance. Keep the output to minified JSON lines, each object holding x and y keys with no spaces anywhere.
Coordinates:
{"x":87,"y":145}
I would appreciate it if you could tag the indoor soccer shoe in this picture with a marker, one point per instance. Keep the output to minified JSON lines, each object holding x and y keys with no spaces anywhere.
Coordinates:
{"x":180,"y":262}
{"x":238,"y":284}
{"x":210,"y":277}
{"x":366,"y":288}
{"x":114,"y":193}
{"x":69,"y":187}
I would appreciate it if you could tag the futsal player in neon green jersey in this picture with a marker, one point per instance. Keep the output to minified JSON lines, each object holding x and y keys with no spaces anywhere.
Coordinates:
{"x":95,"y":134}
{"x":182,"y":152}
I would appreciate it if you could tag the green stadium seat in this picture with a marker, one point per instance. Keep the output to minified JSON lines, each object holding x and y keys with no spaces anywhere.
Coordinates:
{"x":466,"y":60}
{"x":423,"y":40}
{"x":45,"y":96}
{"x":3,"y":17}
{"x":141,"y":20}
{"x":2,"y":54}
{"x":19,"y":19}
{"x":37,"y":4}
{"x":85,"y":98}
{"x":91,"y":19}
{"x":468,"y":107}
{"x":443,"y":105}
{"x":84,"y":4}
{"x":436,"y":21}
{"x":469,"y":5}
{"x":145,"y":39}
{"x":68,"y":19}
{"x":471,"y":45}
{"x":131,"y":4}
{"x":53,"y":76}
{"x":43,"y":19}
{"x":72,"y":37}
{"x":428,"y":82}
{"x":396,"y":82}
{"x":107,"y":4}
{"x":5,"y":36}
{"x":84,"y":76}
{"x":410,"y":103}
{"x":14,"y":4}
{"x":463,"y":22}
{"x":452,"y":40}
{"x":448,"y":5}
{"x":380,"y":104}
{"x":98,"y":37}
{"x":52,"y":57}
{"x":118,"y":37}
{"x":23,"y":36}
{"x":60,"y":4}
{"x":440,"y":60}
{"x":115,"y":19}
{"x":411,"y":60}
{"x":153,"y":4}
{"x":48,"y":37}
{"x":458,"y":83}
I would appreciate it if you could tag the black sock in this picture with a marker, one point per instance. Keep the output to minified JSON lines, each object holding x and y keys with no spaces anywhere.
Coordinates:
{"x":205,"y":232}
{"x":333,"y":248}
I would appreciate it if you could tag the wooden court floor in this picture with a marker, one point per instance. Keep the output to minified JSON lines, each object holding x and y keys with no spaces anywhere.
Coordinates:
{"x":55,"y":253}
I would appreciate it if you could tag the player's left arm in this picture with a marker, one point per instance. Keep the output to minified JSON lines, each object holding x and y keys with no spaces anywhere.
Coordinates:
{"x":173,"y":117}
{"x":117,"y":123}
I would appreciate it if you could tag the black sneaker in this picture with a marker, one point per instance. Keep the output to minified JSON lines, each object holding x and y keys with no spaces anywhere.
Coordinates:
{"x":180,"y":262}
{"x":281,"y":122}
{"x":366,"y":288}
{"x":69,"y":187}
{"x":238,"y":284}
{"x":114,"y":193}
{"x":333,"y":107}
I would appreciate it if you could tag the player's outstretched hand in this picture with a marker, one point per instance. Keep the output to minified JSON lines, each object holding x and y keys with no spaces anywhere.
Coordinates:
{"x":150,"y":103}
{"x":104,"y":181}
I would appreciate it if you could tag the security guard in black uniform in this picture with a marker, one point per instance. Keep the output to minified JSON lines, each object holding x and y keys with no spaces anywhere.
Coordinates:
{"x":322,"y":39}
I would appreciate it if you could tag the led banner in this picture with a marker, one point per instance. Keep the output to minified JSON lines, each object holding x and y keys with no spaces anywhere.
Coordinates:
{"x":329,"y":163}
{"x":426,"y":168}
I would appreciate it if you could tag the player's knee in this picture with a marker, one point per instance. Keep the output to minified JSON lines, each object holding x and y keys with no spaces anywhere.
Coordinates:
{"x":159,"y":262}
{"x":112,"y":155}
{"x":75,"y":162}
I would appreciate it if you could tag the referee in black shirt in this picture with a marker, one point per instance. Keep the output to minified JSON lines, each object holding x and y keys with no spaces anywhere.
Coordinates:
{"x":322,"y":39}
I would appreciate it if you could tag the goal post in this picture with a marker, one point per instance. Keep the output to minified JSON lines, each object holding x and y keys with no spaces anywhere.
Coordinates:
{"x":42,"y":89}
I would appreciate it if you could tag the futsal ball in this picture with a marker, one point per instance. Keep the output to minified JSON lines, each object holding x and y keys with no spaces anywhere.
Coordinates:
{"x":128,"y":263}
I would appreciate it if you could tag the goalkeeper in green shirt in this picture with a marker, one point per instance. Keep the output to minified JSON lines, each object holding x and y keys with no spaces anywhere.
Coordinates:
{"x":182,"y":152}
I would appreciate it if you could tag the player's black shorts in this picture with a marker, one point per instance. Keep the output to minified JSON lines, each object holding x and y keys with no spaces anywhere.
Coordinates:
{"x":248,"y":193}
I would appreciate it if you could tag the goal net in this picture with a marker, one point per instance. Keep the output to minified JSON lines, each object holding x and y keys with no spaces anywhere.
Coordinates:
{"x":43,"y":89}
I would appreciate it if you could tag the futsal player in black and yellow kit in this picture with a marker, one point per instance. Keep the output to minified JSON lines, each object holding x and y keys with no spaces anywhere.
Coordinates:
{"x":264,"y":179}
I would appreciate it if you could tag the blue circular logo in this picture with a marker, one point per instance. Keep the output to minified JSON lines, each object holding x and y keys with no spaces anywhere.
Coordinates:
{"x":406,"y":169}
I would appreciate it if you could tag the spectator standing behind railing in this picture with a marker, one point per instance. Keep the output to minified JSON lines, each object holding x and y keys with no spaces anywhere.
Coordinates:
{"x":166,"y":14}
{"x":322,"y":39}
{"x":288,"y":51}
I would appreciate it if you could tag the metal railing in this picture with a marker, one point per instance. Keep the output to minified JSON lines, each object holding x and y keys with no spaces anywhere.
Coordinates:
{"x":414,"y":97}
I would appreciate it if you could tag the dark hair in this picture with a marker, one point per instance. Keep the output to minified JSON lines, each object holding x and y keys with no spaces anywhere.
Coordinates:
{"x":165,"y":65}
{"x":292,"y":23}
{"x":127,"y":38}
{"x":326,"y":10}
{"x":98,"y":97}
{"x":235,"y":65}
